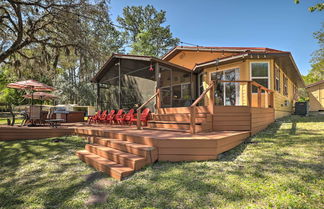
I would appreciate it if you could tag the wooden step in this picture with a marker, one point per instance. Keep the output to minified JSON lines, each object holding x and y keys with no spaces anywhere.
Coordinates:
{"x":127,"y":159}
{"x":165,"y":129}
{"x":179,"y":117}
{"x":113,"y":169}
{"x":170,"y":110}
{"x":146,"y":151}
{"x":182,"y":125}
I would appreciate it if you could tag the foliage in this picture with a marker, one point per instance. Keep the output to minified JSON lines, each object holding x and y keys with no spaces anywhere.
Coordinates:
{"x":62,"y":37}
{"x":64,"y":43}
{"x":143,"y":27}
{"x":316,"y":7}
{"x":316,"y":73}
{"x":280,"y":167}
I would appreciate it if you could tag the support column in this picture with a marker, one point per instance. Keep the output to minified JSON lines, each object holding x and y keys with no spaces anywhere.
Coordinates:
{"x":211,"y":101}
{"x":157,"y":78}
{"x":259,"y":97}
{"x":249,"y":94}
{"x":98,"y":96}
{"x":119,"y":85}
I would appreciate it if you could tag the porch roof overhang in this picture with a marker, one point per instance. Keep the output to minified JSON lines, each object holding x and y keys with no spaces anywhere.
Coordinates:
{"x":131,"y":64}
{"x":283,"y":59}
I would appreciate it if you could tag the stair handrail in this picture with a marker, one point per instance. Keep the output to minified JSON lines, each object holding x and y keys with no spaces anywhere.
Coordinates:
{"x":211,"y":89}
{"x":249,"y":91}
{"x":194,"y":104}
{"x":157,"y":95}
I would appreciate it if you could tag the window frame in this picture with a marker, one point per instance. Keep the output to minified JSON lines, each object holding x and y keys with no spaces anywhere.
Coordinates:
{"x":201,"y":82}
{"x":277,"y":78}
{"x":268,"y":77}
{"x":285,"y":85}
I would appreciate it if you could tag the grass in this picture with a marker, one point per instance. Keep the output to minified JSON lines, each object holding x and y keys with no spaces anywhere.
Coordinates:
{"x":281,"y":167}
{"x":3,"y":121}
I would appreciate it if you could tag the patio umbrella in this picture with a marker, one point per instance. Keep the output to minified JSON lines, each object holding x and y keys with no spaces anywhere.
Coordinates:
{"x":31,"y":85}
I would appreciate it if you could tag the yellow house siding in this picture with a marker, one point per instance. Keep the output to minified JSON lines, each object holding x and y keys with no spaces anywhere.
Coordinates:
{"x":189,"y":59}
{"x":316,"y":97}
{"x":283,"y":108}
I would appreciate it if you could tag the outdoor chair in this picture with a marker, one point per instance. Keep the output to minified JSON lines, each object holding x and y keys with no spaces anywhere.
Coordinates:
{"x":126,"y":118}
{"x":35,"y":114}
{"x":94,"y":118}
{"x":52,"y":122}
{"x":102,"y":117}
{"x":145,"y":116}
{"x":118,"y":116}
{"x":110,"y":117}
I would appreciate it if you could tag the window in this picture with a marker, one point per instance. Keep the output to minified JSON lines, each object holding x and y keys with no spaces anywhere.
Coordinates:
{"x":260,"y":74}
{"x":285,"y":86}
{"x":277,"y":79}
{"x":181,"y":95}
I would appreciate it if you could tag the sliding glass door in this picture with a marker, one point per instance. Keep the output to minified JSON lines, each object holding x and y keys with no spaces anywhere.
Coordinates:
{"x":227,"y":93}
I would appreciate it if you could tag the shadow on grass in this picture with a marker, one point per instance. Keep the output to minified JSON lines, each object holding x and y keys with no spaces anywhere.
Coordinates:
{"x":43,"y":168}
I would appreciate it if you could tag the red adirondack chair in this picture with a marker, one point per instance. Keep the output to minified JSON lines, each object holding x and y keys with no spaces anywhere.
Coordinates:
{"x":94,"y":118}
{"x":102,"y":116}
{"x":125,"y":119}
{"x":110,"y":117}
{"x":145,"y":115}
{"x":118,"y":116}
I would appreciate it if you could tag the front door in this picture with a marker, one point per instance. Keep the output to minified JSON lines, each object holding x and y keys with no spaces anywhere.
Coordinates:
{"x":227,"y":94}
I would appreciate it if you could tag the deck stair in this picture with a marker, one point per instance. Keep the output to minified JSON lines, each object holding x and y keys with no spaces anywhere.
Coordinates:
{"x":178,"y":119}
{"x":118,"y":158}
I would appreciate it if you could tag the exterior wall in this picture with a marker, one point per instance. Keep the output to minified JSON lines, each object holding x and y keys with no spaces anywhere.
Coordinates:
{"x":189,"y":59}
{"x":282,"y":108}
{"x":316,"y":97}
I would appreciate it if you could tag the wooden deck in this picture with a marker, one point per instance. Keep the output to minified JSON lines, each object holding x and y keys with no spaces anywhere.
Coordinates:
{"x":172,"y":146}
{"x":121,"y":150}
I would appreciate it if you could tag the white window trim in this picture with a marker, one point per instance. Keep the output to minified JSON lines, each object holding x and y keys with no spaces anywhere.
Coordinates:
{"x":268,"y":77}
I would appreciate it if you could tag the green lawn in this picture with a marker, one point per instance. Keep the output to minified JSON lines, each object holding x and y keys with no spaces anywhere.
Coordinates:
{"x":3,"y":121}
{"x":281,"y":167}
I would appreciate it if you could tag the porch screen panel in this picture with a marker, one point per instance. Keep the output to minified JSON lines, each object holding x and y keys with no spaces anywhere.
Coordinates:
{"x":181,"y":88}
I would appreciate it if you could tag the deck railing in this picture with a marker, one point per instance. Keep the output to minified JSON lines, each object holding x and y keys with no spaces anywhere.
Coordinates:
{"x":211,"y":102}
{"x":139,"y":110}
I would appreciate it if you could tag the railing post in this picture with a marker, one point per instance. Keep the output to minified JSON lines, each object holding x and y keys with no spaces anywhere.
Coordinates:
{"x":211,"y":101}
{"x":138,"y":122}
{"x":249,"y":93}
{"x":193,"y":119}
{"x":271,"y":101}
{"x":158,"y":99}
{"x":259,"y":96}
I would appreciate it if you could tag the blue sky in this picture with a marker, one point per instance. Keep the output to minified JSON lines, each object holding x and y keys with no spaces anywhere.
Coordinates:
{"x":278,"y":24}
